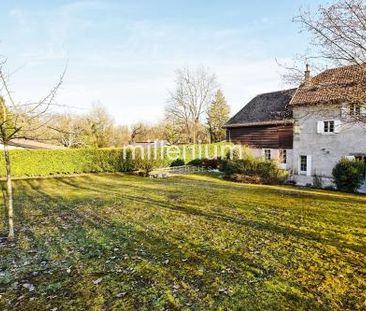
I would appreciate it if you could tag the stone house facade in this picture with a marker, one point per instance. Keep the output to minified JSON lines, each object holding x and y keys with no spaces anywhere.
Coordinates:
{"x":329,"y":122}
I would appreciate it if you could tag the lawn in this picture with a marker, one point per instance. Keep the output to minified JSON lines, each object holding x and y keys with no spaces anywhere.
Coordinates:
{"x":105,"y":242}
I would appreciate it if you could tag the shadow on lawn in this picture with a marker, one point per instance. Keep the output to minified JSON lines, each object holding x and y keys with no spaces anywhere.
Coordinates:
{"x":256,"y":224}
{"x":155,"y":247}
{"x":74,"y":219}
{"x":333,"y":240}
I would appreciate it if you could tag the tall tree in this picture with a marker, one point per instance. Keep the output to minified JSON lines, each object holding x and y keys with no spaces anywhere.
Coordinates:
{"x":188,"y":102}
{"x":217,"y":115}
{"x":338,"y":37}
{"x":338,"y":33}
{"x":19,"y":120}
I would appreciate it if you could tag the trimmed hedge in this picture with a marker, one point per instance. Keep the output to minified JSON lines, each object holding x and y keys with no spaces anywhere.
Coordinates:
{"x":68,"y":161}
{"x":76,"y":161}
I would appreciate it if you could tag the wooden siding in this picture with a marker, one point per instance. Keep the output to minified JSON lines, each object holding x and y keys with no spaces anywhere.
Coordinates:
{"x":265,"y":136}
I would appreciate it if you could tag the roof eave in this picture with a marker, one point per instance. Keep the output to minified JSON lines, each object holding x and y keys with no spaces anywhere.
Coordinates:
{"x":249,"y":124}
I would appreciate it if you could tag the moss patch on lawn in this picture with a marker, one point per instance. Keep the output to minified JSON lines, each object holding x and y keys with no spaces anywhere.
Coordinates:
{"x":111,"y":242}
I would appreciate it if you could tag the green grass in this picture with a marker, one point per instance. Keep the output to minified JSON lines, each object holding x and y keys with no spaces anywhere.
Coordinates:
{"x":111,"y":242}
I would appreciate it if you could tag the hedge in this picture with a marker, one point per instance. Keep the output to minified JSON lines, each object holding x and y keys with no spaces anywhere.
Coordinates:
{"x":68,"y":161}
{"x":76,"y":161}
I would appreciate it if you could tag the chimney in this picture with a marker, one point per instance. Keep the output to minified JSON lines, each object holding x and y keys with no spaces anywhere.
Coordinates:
{"x":307,"y":74}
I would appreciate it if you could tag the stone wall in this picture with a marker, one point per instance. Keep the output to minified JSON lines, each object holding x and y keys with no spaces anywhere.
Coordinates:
{"x":325,"y":149}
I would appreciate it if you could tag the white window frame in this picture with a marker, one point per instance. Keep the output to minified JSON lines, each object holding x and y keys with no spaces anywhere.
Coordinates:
{"x":329,"y":126}
{"x":323,"y":127}
{"x":283,"y":156}
{"x":267,"y":151}
{"x":308,"y":165}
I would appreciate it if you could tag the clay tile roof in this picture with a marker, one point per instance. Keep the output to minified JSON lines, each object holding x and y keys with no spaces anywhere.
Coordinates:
{"x":265,"y":108}
{"x":333,"y":85}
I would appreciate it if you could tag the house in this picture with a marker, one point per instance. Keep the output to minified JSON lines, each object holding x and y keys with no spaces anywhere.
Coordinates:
{"x":266,"y":125}
{"x":330,"y":123}
{"x":20,"y":143}
{"x":309,"y":129}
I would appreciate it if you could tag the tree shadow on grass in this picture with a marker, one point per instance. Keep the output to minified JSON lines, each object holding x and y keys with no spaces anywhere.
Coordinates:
{"x":284,"y":190}
{"x":75,"y":218}
{"x":332,"y":240}
{"x":155,"y":246}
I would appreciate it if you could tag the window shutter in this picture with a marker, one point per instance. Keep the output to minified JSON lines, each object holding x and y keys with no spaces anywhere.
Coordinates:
{"x":337,"y":126}
{"x":320,"y":127}
{"x":308,"y":164}
{"x":363,"y":111}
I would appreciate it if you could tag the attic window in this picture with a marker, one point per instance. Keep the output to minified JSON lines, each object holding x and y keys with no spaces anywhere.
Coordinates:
{"x":355,"y":110}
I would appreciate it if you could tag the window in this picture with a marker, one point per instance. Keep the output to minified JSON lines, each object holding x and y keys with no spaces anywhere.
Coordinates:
{"x":328,"y":126}
{"x":355,"y":110}
{"x":303,"y":163}
{"x":283,"y":156}
{"x":267,"y":154}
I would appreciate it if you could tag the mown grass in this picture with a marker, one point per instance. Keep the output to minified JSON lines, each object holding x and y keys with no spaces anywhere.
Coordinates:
{"x":111,"y":242}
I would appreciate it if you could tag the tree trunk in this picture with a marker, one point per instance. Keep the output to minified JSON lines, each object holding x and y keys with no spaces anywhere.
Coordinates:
{"x":9,"y":190}
{"x":195,"y":131}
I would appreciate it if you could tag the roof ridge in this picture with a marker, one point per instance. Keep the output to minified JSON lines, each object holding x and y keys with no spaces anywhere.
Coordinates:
{"x":340,"y":68}
{"x":273,"y":92}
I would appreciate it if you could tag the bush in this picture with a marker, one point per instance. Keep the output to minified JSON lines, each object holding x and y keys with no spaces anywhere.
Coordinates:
{"x":146,"y":163}
{"x":266,"y":171}
{"x":145,"y":166}
{"x":177,"y":162}
{"x":213,"y":163}
{"x":348,"y":174}
{"x":196,"y":162}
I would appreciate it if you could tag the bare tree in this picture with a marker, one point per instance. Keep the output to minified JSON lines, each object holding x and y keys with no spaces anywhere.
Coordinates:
{"x":19,"y":120}
{"x":338,"y":34}
{"x":338,"y":37}
{"x":69,"y":130}
{"x":189,"y":101}
{"x":137,"y":130}
{"x":172,"y":132}
{"x":338,"y":31}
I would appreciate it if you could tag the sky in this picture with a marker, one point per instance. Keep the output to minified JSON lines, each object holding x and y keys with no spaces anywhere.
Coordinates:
{"x":124,"y":54}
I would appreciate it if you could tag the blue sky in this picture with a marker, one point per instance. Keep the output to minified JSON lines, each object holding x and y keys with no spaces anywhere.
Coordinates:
{"x":124,"y":54}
